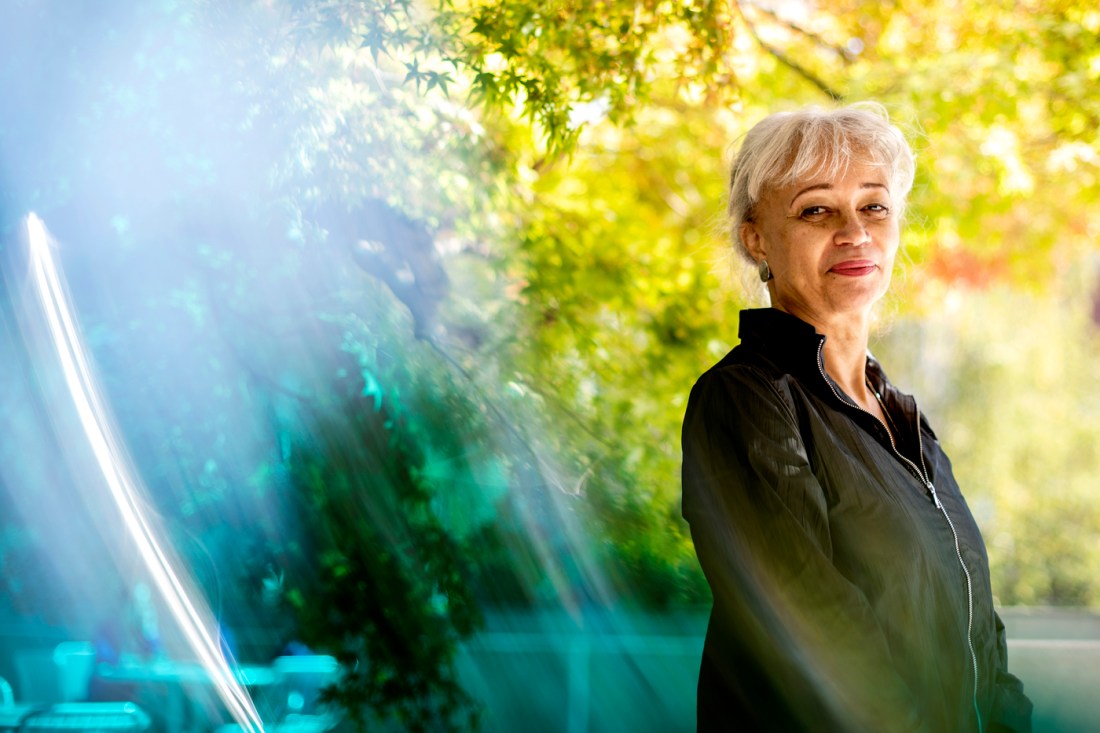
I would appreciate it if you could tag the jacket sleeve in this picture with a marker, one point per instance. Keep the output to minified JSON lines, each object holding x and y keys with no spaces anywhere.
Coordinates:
{"x":1011,"y":707}
{"x":758,"y":518}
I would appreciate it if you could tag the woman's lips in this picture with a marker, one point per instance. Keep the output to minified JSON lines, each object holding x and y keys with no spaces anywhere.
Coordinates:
{"x":854,"y":268}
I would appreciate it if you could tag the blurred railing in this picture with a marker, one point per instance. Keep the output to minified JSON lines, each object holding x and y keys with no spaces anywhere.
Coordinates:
{"x":614,"y":672}
{"x":1056,"y":652}
{"x":602,"y":671}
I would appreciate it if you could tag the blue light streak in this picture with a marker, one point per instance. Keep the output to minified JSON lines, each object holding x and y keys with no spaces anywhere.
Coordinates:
{"x":192,"y":616}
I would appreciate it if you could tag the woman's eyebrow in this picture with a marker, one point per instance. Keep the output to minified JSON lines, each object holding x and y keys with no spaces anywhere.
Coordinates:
{"x":827,"y":185}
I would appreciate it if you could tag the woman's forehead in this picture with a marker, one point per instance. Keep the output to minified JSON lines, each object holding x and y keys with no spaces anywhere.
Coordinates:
{"x":828,"y":174}
{"x":809,"y":164}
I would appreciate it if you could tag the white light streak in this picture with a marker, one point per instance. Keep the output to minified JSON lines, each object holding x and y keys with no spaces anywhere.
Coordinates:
{"x":125,"y":489}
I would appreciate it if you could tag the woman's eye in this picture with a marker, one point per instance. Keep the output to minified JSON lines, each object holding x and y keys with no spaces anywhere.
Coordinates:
{"x":879,"y":211}
{"x":813,"y":212}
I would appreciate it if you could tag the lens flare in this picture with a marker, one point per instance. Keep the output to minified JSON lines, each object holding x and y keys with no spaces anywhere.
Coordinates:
{"x":126,"y":492}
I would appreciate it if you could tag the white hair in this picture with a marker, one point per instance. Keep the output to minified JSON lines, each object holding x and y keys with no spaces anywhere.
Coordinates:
{"x":789,"y":146}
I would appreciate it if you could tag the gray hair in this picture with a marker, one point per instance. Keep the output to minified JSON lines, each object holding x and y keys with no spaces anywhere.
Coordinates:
{"x":788,"y":146}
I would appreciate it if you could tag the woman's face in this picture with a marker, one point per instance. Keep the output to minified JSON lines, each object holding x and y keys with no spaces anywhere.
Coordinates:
{"x":830,"y":243}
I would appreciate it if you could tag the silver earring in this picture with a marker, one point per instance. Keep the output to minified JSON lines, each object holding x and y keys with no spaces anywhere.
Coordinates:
{"x":765,"y":271}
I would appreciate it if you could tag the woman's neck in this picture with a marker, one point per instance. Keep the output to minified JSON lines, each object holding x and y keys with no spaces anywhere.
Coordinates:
{"x":846,"y":362}
{"x":845,"y":351}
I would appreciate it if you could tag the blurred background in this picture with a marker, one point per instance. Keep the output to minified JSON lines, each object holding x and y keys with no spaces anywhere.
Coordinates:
{"x":394,"y":307}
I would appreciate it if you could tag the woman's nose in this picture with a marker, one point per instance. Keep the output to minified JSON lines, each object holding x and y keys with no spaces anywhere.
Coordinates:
{"x":852,"y":230}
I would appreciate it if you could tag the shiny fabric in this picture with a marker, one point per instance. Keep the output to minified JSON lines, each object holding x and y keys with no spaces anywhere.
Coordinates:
{"x":840,"y":603}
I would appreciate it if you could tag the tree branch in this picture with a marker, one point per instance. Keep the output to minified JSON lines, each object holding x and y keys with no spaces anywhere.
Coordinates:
{"x":788,"y":62}
{"x":792,"y":26}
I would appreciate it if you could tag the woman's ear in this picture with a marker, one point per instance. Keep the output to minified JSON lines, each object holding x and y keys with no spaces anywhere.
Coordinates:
{"x":754,"y":243}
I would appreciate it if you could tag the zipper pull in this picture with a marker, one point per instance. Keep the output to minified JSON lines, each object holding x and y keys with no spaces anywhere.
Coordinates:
{"x":935,"y":496}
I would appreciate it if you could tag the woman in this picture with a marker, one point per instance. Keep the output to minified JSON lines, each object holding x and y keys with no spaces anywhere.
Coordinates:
{"x":850,"y":581}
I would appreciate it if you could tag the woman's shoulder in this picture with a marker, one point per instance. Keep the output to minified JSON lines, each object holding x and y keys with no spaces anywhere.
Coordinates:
{"x":742,"y":381}
{"x":747,"y":366}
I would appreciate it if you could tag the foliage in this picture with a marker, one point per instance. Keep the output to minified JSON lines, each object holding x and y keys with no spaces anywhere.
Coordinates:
{"x":548,"y":59}
{"x":376,"y":578}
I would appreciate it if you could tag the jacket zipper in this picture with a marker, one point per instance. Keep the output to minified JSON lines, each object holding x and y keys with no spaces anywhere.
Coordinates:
{"x":921,"y":474}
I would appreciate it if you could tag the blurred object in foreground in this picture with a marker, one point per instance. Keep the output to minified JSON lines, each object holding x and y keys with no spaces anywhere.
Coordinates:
{"x":303,"y":679}
{"x":100,"y":717}
{"x":60,"y":674}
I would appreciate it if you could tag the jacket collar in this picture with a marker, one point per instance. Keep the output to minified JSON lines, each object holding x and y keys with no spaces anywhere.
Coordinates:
{"x":788,"y":341}
{"x":795,"y":347}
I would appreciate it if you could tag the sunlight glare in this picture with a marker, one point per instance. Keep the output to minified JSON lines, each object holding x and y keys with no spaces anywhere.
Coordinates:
{"x":125,"y":490}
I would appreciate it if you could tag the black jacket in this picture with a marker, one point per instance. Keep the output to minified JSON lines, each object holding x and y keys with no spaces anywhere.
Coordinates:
{"x":836,"y":558}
